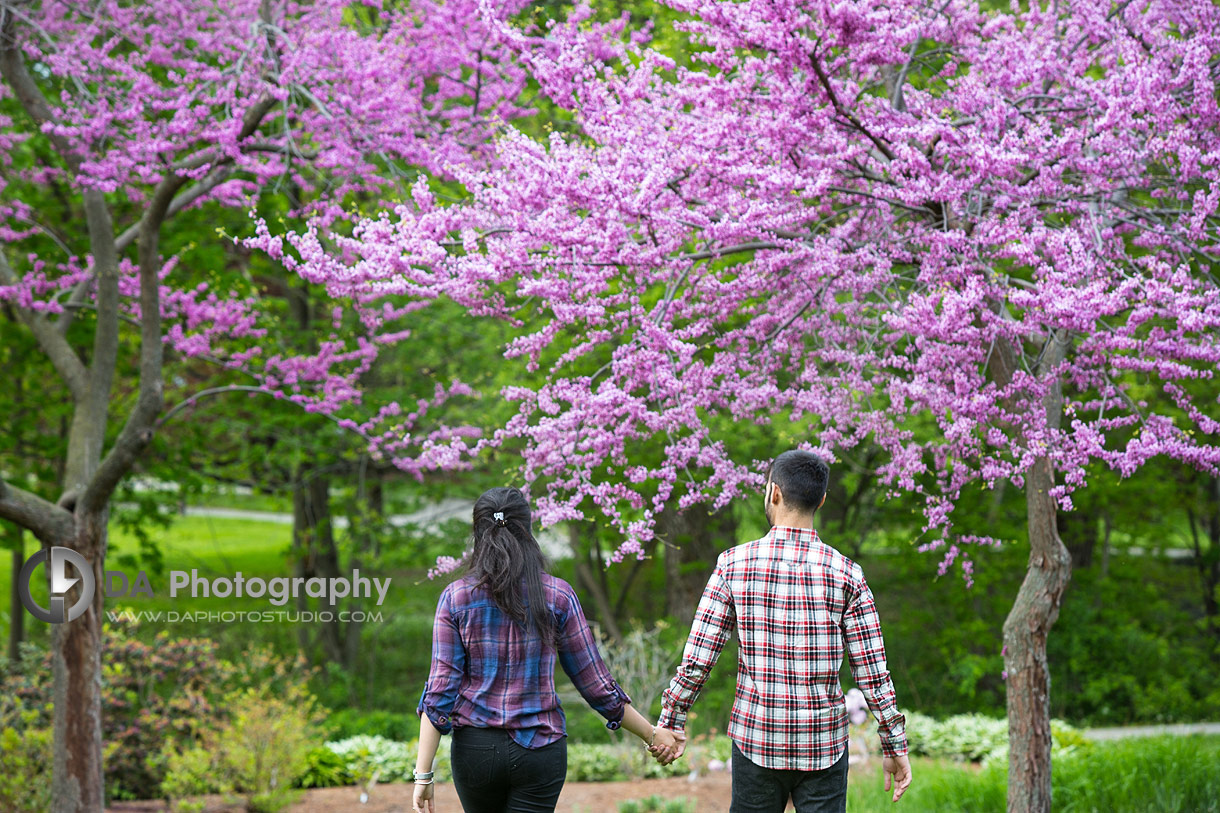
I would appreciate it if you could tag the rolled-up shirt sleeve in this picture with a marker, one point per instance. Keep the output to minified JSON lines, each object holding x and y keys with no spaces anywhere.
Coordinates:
{"x":715,"y":619}
{"x":582,"y":663}
{"x":448,"y":664}
{"x":866,"y":656}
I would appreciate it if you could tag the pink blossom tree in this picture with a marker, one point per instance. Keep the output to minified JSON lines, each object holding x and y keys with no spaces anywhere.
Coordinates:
{"x":850,"y":217}
{"x":129,"y":115}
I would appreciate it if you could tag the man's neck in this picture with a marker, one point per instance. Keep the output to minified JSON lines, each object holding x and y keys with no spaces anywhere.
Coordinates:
{"x":801,"y":521}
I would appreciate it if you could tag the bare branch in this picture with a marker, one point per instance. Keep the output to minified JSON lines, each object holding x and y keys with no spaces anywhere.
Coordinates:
{"x":843,"y":111}
{"x":708,"y":254}
{"x":180,"y":202}
{"x":47,"y":521}
{"x":212,"y":391}
{"x":137,"y":432}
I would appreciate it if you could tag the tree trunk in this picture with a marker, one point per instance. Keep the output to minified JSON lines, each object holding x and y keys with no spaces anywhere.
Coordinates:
{"x":1207,"y":562}
{"x":16,"y":627}
{"x":589,"y":580}
{"x":76,"y":665}
{"x":327,"y":566}
{"x":1025,"y":633}
{"x":1033,"y":614}
{"x":692,"y":540}
{"x":316,"y":557}
{"x":1078,"y":530}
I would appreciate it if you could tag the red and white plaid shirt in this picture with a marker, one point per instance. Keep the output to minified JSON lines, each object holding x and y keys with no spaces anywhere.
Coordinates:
{"x":797,"y":604}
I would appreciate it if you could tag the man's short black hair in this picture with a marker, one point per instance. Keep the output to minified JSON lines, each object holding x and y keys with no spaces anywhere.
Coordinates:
{"x":802,"y":478}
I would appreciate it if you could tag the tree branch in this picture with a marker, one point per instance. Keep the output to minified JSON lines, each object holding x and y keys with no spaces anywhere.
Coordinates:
{"x":47,"y":521}
{"x":29,"y":96}
{"x":843,"y":111}
{"x":218,"y":175}
{"x":69,"y":367}
{"x":137,"y":432}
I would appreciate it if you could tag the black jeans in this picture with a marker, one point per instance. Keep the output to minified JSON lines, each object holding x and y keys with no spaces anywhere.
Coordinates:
{"x":766,"y":790}
{"x":493,"y":774}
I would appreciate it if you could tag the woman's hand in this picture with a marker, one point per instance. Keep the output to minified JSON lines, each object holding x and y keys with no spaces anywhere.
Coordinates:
{"x":423,"y":796}
{"x":668,"y":745}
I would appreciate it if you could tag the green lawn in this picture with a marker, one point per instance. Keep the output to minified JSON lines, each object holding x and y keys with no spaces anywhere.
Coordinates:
{"x":221,"y":548}
{"x":1142,"y":775}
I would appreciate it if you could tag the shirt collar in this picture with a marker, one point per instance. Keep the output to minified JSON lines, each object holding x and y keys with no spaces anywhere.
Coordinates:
{"x":800,"y":539}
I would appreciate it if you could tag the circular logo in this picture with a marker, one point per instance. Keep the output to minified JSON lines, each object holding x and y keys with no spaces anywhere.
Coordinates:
{"x":59,"y":558}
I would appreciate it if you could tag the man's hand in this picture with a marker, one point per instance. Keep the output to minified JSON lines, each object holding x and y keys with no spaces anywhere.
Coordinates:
{"x":423,"y":796}
{"x":668,"y":745}
{"x":898,"y":771}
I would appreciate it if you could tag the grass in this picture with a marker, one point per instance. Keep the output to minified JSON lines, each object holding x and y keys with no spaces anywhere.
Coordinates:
{"x":222,"y":547}
{"x":1146,"y":775}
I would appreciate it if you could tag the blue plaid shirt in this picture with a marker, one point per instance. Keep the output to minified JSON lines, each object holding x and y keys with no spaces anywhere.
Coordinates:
{"x":488,"y":672}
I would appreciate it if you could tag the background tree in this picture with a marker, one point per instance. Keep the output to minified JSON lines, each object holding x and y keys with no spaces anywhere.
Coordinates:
{"x":996,"y":225}
{"x":131,"y":116}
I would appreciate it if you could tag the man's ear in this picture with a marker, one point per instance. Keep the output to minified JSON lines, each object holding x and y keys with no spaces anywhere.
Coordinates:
{"x":823,"y":502}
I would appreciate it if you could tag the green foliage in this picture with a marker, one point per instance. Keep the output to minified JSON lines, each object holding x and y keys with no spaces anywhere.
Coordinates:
{"x":25,"y":753}
{"x":597,"y":763}
{"x":259,"y":752}
{"x":1127,"y":647}
{"x":324,"y":769}
{"x":152,"y":694}
{"x":388,"y":724}
{"x":189,"y":772}
{"x":978,"y":738}
{"x":964,"y":736}
{"x":264,"y":746}
{"x":1139,"y":775}
{"x":614,"y":763}
{"x":365,"y":756}
{"x":657,"y":804}
{"x":1162,"y":774}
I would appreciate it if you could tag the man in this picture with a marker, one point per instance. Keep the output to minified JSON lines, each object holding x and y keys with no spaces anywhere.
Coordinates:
{"x":797,"y":605}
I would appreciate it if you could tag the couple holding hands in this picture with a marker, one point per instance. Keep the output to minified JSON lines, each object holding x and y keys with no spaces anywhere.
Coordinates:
{"x":797,"y":605}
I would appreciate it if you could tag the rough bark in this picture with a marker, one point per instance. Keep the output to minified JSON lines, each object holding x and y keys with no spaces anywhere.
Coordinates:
{"x":16,"y":627}
{"x":76,"y":656}
{"x":1029,"y":623}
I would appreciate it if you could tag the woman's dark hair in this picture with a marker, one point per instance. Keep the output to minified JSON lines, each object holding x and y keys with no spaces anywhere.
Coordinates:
{"x":506,"y":560}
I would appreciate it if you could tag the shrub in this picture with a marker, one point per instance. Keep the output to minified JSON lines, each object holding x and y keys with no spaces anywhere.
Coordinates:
{"x":259,"y":751}
{"x":151,"y":694}
{"x":597,"y":763}
{"x":365,"y":756}
{"x":25,"y":782}
{"x":189,"y":773}
{"x":324,"y":769}
{"x":964,"y":736}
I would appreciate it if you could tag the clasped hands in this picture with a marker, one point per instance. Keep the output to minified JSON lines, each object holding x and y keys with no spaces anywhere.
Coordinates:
{"x":668,"y":745}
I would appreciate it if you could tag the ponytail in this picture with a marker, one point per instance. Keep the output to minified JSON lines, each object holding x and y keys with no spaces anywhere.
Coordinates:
{"x":506,"y":560}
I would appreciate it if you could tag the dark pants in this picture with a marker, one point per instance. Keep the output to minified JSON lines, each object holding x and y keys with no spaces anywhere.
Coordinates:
{"x":493,"y":774}
{"x":766,"y":790}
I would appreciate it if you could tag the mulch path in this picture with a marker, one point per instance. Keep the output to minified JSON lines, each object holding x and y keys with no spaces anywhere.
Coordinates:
{"x":710,"y":792}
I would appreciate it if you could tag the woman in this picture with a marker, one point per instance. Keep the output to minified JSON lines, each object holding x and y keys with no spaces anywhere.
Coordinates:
{"x":497,"y":634}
